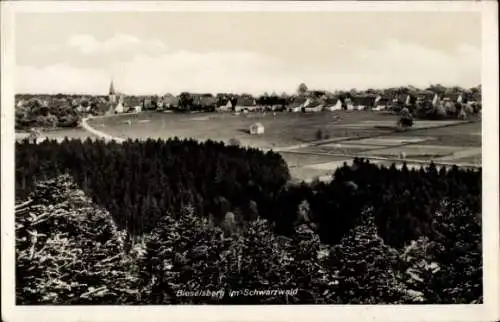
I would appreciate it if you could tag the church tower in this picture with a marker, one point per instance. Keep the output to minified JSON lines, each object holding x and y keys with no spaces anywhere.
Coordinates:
{"x":112,"y":93}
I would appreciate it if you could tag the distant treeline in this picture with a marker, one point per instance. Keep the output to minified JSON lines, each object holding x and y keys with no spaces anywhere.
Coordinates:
{"x":140,"y":181}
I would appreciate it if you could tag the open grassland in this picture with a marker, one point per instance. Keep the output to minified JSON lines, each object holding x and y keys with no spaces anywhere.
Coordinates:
{"x":281,"y":129}
{"x":344,"y":135}
{"x":287,"y":129}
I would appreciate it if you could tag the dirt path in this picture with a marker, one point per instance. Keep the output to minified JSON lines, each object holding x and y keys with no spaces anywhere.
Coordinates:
{"x":85,"y":125}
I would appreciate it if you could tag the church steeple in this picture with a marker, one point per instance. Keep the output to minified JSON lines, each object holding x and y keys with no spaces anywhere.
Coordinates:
{"x":112,"y":88}
{"x":112,"y":92}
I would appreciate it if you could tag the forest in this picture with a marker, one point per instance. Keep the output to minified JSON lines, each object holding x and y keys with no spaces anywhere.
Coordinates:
{"x":179,"y":214}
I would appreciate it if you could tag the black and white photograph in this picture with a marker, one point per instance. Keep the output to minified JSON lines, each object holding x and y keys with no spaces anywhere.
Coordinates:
{"x":249,"y":156}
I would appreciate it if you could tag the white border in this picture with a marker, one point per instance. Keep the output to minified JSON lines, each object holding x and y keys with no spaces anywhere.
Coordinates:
{"x":487,"y":312}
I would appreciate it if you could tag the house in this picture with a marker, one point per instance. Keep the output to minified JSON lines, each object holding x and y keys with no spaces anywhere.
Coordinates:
{"x":135,"y":109}
{"x":426,"y":96}
{"x":474,"y":96}
{"x":296,"y":104}
{"x":272,"y":103}
{"x":245,"y":103}
{"x":381,"y":103}
{"x":170,"y":102}
{"x":119,"y":108}
{"x":256,"y":129}
{"x":452,"y":103}
{"x":204,"y":102}
{"x":332,"y":104}
{"x":402,"y":100}
{"x":312,"y":106}
{"x":348,"y":104}
{"x":131,"y":102}
{"x":225,"y":106}
{"x":147,"y":103}
{"x":454,"y":98}
{"x":449,"y":106}
{"x":81,"y":108}
{"x":363,"y":102}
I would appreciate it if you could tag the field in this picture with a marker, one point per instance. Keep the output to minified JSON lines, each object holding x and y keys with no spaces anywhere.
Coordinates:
{"x":345,"y":134}
{"x":60,"y":134}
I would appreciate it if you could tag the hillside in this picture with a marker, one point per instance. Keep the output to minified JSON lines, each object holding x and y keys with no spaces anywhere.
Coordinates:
{"x":418,"y":240}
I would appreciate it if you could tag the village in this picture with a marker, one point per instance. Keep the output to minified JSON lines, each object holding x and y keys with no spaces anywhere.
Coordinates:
{"x":446,"y":102}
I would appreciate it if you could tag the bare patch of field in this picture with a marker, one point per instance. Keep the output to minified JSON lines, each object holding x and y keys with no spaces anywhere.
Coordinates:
{"x":59,"y":134}
{"x":335,"y":149}
{"x":392,"y":140}
{"x":306,"y":174}
{"x":204,"y":118}
{"x":418,"y":151}
{"x":302,"y":159}
{"x":332,"y":165}
{"x":392,"y":123}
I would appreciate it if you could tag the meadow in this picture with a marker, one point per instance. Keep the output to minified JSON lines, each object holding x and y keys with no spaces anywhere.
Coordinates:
{"x":313,"y":144}
{"x":281,"y":129}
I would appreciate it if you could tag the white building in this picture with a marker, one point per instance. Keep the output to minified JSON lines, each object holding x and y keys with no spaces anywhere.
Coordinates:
{"x":226,"y":107}
{"x":115,"y":100}
{"x":119,"y":108}
{"x":333,"y":105}
{"x":257,"y":128}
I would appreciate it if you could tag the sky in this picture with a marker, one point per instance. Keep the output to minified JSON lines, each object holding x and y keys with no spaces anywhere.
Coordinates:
{"x":249,"y":52}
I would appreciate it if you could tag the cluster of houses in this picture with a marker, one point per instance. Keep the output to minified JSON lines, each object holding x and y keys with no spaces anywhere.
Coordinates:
{"x":311,"y":101}
{"x":296,"y":104}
